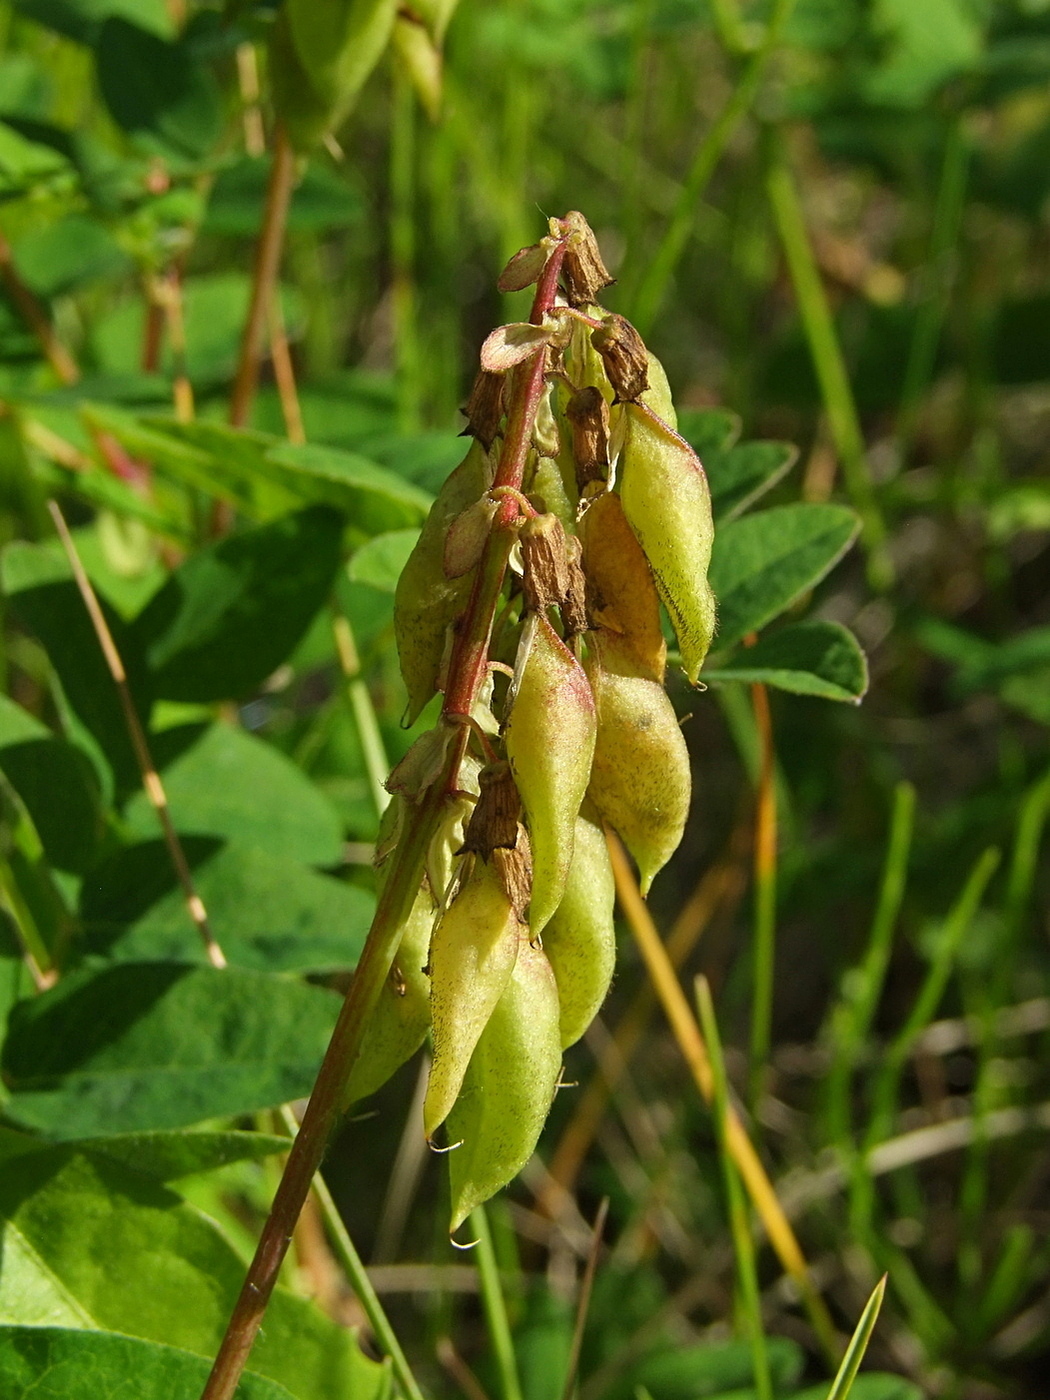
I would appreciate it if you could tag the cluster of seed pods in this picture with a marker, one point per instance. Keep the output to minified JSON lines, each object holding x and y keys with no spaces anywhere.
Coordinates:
{"x":534,"y":606}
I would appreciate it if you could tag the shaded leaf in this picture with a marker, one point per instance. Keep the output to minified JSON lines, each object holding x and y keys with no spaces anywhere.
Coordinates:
{"x":229,"y":616}
{"x":66,"y":254}
{"x":808,"y":658}
{"x":165,"y":1156}
{"x":61,"y":794}
{"x":266,"y":911}
{"x":379,"y":562}
{"x":762,"y":563}
{"x":709,"y":429}
{"x":62,"y":1363}
{"x":739,"y":475}
{"x":222,"y":781}
{"x":141,"y":1046}
{"x":374,"y":498}
{"x":157,"y":91}
{"x":38,"y":582}
{"x":113,"y":1249}
{"x":81,"y":19}
{"x":321,"y":201}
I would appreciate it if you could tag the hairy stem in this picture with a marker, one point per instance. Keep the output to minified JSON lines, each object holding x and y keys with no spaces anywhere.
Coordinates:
{"x":467,"y":671}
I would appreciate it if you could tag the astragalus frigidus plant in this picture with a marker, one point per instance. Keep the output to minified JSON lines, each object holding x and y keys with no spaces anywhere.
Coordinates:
{"x":531,"y":603}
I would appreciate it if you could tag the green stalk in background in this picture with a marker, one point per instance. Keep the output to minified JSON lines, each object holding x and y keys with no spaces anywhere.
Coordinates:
{"x":940,"y":268}
{"x":403,"y":249}
{"x":743,"y":1242}
{"x":660,"y":269}
{"x":973,"y":1196}
{"x":830,"y":366}
{"x":495,"y":1306}
{"x":852,"y":1017}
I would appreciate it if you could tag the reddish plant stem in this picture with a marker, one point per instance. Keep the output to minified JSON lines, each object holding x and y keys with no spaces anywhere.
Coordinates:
{"x":468,"y":670}
{"x":264,"y":277}
{"x":469,"y":664}
{"x":35,"y":317}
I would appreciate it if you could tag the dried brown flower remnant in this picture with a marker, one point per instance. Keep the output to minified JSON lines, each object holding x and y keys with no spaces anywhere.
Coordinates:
{"x":494,"y":821}
{"x":624,"y":355}
{"x":583,"y":273}
{"x":552,"y":576}
{"x":484,"y":407}
{"x":588,"y":413}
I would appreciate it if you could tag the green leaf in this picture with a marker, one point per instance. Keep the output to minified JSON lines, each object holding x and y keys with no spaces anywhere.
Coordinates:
{"x":141,"y":1046}
{"x":88,"y":1243}
{"x":375,"y":499}
{"x":762,"y":563}
{"x":740,"y":475}
{"x":214,"y":308}
{"x":711,"y":1369}
{"x":61,"y":794}
{"x":169,"y":1156}
{"x":322,"y":201}
{"x":222,"y":781}
{"x":62,"y":1363}
{"x":38,"y":582}
{"x":709,"y":429}
{"x":379,"y":562}
{"x":165,"y":1156}
{"x":807,"y":658}
{"x":81,"y":19}
{"x":266,"y":911}
{"x":228,"y":617}
{"x":24,"y":163}
{"x":869,"y":1385}
{"x":67,"y":254}
{"x":157,"y":91}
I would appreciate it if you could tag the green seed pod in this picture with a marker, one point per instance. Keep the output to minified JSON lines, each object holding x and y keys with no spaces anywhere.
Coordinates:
{"x":472,"y":955}
{"x":621,"y":593}
{"x":427,"y":601}
{"x":401,"y":1019}
{"x":667,"y":501}
{"x":640,"y":780}
{"x":508,"y":1088}
{"x":550,"y":741}
{"x":580,"y":940}
{"x":658,"y":395}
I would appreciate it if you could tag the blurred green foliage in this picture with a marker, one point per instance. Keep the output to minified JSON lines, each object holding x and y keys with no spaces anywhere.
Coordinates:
{"x":905,"y":1105}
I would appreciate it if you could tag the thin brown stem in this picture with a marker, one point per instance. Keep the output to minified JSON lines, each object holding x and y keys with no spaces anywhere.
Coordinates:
{"x":469,"y":668}
{"x":264,"y":277}
{"x":284,"y":373}
{"x":35,"y":317}
{"x":151,"y":782}
{"x":584,"y":1302}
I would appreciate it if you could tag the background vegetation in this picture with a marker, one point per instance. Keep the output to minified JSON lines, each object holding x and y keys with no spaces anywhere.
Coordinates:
{"x":829,"y":219}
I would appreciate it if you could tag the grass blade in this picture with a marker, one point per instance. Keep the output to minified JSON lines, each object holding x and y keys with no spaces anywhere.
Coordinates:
{"x":847,"y":1372}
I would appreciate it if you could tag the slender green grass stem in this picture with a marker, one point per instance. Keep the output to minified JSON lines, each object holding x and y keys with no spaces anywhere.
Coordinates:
{"x":933,"y":309}
{"x":495,"y":1308}
{"x":743,"y":1241}
{"x":356,"y":1272}
{"x":1020,"y":881}
{"x":847,"y":1372}
{"x":661,"y":267}
{"x":830,"y":367}
{"x":377,"y":765}
{"x":852,"y":1017}
{"x":956,"y":926}
{"x":403,"y":251}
